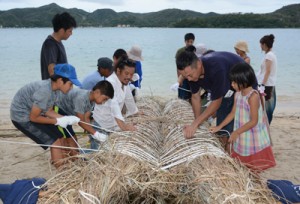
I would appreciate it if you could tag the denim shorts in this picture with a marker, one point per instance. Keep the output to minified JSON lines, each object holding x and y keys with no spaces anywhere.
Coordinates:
{"x":183,"y":94}
{"x":95,"y":143}
{"x":40,"y":133}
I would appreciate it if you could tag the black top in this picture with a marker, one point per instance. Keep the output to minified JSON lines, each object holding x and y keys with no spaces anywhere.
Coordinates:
{"x":52,"y":52}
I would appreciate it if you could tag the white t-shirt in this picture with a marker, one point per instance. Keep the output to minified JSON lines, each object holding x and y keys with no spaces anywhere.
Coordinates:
{"x":106,"y":113}
{"x":273,"y":74}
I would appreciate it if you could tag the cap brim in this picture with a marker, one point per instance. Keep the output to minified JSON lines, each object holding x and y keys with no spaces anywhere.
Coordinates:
{"x":76,"y":82}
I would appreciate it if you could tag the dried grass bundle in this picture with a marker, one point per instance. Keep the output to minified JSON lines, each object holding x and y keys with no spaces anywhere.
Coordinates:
{"x":155,"y":164}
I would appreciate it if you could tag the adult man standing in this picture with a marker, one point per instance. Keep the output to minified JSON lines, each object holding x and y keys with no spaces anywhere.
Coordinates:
{"x":53,"y":51}
{"x":210,"y":72}
{"x":105,"y":68}
{"x":183,"y":91}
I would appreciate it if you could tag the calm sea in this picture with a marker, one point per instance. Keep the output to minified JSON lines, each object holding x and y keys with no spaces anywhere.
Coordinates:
{"x":20,"y":53}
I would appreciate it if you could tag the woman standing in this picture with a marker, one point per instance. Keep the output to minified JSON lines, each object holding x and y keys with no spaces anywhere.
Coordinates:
{"x":267,"y":75}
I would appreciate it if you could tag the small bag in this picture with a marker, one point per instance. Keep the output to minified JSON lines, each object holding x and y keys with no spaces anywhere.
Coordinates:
{"x":268,"y":92}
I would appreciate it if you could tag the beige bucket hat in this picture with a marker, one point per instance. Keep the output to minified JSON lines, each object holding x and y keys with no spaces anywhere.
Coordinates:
{"x":135,"y":53}
{"x":242,"y":45}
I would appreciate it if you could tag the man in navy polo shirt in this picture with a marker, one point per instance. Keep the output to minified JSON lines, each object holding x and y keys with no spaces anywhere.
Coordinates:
{"x":210,"y":72}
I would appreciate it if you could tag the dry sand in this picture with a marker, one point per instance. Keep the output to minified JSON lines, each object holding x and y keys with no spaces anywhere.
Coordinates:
{"x":19,"y":161}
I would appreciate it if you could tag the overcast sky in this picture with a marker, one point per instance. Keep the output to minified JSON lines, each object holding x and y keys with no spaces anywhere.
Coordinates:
{"x":143,"y":6}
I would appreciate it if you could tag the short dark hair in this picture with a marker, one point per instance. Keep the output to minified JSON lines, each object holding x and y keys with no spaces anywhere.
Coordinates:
{"x":63,"y":20}
{"x":124,"y":61}
{"x":105,"y":88}
{"x":54,"y":77}
{"x":243,"y":74}
{"x":119,"y":52}
{"x":190,"y":48}
{"x":268,"y":40}
{"x":189,"y":36}
{"x":185,"y":59}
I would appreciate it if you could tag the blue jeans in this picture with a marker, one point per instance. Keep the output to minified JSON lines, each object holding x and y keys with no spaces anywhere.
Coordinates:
{"x":183,"y":94}
{"x":224,"y":109}
{"x":270,"y":105}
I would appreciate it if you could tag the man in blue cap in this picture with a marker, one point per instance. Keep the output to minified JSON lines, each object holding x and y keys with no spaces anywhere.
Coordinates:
{"x":32,"y":111}
{"x":105,"y":69}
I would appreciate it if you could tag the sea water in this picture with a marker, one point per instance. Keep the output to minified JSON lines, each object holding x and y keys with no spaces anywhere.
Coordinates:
{"x":20,"y":53}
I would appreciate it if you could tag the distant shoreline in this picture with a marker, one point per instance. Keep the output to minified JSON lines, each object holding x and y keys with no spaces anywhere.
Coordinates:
{"x":176,"y":18}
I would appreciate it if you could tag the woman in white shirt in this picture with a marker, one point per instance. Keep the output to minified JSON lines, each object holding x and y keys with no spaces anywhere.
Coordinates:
{"x":267,"y":75}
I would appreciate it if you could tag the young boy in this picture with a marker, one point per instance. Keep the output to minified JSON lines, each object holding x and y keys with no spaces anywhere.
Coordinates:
{"x":81,"y":102}
{"x":32,"y":112}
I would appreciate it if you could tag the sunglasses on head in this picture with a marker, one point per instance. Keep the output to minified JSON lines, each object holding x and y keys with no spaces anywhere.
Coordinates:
{"x":128,"y":62}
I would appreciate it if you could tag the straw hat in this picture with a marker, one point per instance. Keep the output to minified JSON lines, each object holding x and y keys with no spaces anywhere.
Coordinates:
{"x":241,"y":45}
{"x":135,"y":53}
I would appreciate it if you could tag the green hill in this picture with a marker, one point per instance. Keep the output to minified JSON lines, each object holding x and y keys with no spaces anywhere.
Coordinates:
{"x":286,"y":17}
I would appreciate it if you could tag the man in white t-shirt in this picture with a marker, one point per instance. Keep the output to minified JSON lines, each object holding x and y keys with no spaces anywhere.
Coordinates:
{"x":109,"y":115}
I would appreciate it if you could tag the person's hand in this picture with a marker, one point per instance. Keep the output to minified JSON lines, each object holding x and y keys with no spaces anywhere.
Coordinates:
{"x":174,"y":87}
{"x":135,"y":77}
{"x":189,"y":131}
{"x":130,"y":127}
{"x":62,"y":121}
{"x":137,"y":91}
{"x":261,"y":89}
{"x":73,"y":120}
{"x":99,"y":136}
{"x":234,"y":135}
{"x":132,"y":87}
{"x":214,"y":129}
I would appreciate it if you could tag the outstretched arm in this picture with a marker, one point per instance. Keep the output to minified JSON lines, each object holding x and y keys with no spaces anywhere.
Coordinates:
{"x":189,"y":130}
{"x":227,"y":120}
{"x":125,"y":127}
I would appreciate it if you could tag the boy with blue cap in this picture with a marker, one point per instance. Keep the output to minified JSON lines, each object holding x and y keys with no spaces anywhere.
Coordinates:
{"x":32,"y":112}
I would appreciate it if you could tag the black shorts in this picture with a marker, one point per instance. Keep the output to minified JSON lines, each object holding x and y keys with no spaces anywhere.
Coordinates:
{"x":43,"y":134}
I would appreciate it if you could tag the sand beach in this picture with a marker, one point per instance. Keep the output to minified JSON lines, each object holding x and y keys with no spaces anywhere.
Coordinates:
{"x":19,"y":159}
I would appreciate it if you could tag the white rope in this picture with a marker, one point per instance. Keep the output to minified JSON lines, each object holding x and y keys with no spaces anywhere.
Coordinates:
{"x":225,"y":131}
{"x":75,"y":140}
{"x":101,"y":128}
{"x":93,"y":199}
{"x":43,"y":145}
{"x":184,"y":89}
{"x":232,"y":197}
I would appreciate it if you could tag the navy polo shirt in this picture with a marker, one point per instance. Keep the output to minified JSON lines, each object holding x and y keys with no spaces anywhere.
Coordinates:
{"x":216,"y":73}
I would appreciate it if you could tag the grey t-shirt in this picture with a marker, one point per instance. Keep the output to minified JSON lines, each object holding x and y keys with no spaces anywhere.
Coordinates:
{"x":38,"y":94}
{"x":75,"y":101}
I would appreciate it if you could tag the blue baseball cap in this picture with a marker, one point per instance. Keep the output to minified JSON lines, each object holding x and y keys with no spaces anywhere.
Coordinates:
{"x":67,"y":71}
